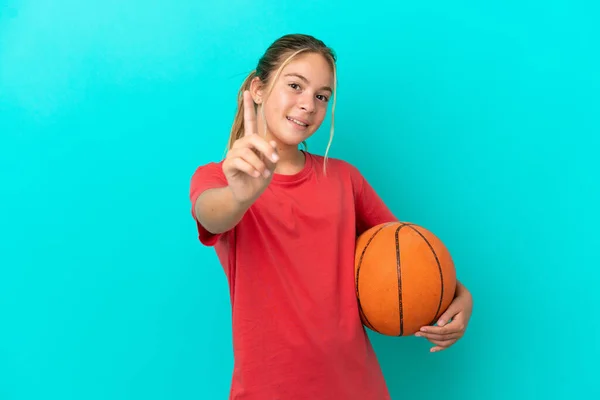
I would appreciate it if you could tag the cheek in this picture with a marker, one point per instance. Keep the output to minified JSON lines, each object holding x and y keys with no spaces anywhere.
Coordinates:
{"x":273,"y":116}
{"x":272,"y":112}
{"x":285,"y":102}
{"x":322,"y":113}
{"x":277,"y":107}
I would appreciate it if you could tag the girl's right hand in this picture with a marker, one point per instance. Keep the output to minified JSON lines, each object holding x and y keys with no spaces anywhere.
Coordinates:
{"x":249,"y":164}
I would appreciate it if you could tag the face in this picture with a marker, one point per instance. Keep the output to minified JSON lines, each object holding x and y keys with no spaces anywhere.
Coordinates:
{"x":298,"y":103}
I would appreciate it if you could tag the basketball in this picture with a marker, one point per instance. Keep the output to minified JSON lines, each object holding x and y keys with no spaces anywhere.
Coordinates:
{"x":405,"y":278}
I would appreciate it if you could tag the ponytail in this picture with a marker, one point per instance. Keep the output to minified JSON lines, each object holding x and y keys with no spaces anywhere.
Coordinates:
{"x":237,"y":129}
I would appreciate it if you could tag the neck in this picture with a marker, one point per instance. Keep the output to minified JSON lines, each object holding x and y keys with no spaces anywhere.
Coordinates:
{"x":291,"y":159}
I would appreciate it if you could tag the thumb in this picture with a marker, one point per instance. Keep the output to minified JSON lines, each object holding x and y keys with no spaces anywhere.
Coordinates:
{"x":447,"y":315}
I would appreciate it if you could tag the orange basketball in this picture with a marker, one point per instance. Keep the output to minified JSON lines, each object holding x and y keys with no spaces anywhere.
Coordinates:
{"x":405,"y":278}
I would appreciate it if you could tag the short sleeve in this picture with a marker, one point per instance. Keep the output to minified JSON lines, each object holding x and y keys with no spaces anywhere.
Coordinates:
{"x":205,"y":177}
{"x":370,"y":208}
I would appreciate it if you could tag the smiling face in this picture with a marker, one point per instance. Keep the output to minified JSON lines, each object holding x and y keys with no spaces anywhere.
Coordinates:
{"x":298,"y":102}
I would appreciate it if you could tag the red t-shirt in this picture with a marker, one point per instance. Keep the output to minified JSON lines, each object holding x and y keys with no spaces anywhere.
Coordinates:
{"x":289,"y":262}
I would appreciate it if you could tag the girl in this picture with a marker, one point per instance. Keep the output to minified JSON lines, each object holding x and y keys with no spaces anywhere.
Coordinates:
{"x":284,"y":223}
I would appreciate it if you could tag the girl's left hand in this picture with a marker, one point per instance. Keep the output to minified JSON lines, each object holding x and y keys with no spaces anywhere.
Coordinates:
{"x":458,"y":313}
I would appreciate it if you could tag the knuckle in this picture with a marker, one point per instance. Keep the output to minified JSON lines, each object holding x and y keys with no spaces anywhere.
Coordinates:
{"x":247,"y":152}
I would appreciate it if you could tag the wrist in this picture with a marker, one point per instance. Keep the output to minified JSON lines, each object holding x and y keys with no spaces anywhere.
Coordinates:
{"x":238,"y":206}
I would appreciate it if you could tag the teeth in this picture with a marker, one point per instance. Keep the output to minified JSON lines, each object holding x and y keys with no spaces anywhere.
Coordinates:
{"x":296,"y":121}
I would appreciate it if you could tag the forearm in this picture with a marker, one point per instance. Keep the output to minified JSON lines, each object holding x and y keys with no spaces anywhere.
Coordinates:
{"x":461,"y":289}
{"x":218,"y":211}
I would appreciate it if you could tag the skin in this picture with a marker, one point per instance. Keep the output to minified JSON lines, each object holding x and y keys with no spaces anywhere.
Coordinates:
{"x":302,"y":91}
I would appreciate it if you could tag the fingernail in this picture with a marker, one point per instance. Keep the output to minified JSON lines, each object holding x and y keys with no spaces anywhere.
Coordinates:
{"x":266,"y":173}
{"x":275,"y":157}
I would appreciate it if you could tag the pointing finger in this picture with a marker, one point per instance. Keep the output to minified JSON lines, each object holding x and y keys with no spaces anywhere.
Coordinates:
{"x":249,"y":115}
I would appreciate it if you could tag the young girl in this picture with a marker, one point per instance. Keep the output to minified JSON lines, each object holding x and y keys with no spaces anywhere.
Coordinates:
{"x":284,"y":223}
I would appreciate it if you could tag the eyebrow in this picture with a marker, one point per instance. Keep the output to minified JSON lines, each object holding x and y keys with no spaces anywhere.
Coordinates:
{"x":306,"y":80}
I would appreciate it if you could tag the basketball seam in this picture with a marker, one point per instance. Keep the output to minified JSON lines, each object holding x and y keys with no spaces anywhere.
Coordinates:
{"x":399,"y":272}
{"x":441,"y":274}
{"x":364,"y":250}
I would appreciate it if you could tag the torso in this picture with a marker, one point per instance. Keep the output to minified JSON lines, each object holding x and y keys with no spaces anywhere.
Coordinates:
{"x":290,"y":264}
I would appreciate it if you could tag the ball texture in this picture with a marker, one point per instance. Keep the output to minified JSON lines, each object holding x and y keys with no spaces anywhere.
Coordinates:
{"x":405,"y":278}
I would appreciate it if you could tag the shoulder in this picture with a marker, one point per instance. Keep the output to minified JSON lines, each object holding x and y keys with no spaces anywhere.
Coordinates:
{"x":340,"y":171}
{"x":334,"y":164}
{"x":207,"y":176}
{"x":212,"y":169}
{"x":337,"y":167}
{"x":211,"y":166}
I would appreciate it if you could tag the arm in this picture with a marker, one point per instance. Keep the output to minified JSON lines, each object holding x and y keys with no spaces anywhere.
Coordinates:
{"x":461,"y":290}
{"x":218,"y":211}
{"x":211,"y":204}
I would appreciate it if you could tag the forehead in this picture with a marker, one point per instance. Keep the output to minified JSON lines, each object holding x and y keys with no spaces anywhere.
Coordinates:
{"x":314,"y":67}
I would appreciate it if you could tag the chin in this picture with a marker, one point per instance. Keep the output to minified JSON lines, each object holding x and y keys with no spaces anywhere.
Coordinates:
{"x":291,"y":135}
{"x":291,"y":140}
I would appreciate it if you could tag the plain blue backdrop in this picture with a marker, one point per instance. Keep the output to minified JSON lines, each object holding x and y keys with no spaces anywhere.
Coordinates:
{"x":478,"y":120}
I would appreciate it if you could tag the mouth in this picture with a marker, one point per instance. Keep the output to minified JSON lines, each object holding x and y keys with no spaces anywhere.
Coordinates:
{"x":299,"y":122}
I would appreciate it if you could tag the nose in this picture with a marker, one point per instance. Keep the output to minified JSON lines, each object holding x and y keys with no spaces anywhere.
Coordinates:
{"x":307,"y":103}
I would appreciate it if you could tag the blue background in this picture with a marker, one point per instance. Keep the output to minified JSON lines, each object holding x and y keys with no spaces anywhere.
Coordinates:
{"x":478,"y":120}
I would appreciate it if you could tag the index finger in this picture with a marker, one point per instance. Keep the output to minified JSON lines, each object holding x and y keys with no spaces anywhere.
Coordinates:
{"x":249,"y":115}
{"x":450,"y":327}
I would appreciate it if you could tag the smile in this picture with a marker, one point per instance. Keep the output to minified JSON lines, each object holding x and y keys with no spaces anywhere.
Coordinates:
{"x":297,"y":122}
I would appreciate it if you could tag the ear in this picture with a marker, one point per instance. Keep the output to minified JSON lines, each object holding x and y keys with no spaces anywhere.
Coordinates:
{"x":256,"y":90}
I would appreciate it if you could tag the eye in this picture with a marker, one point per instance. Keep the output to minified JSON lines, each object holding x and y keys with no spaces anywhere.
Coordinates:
{"x":294,"y":86}
{"x":322,"y":97}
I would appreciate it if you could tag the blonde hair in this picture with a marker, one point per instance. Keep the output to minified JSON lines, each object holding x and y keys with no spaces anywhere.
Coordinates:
{"x":277,"y":56}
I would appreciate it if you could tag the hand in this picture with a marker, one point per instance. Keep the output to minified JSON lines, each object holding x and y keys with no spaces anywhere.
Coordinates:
{"x":249,"y":164}
{"x":446,"y":334}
